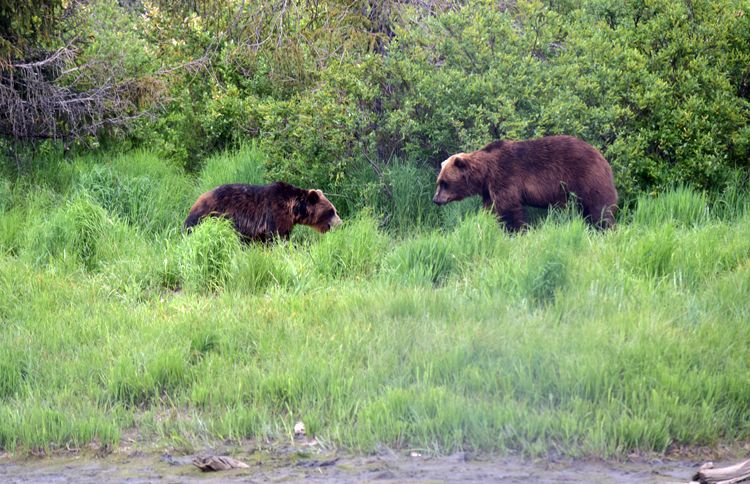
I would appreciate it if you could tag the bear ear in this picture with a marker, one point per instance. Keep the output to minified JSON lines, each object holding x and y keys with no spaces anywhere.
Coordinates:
{"x":313,"y":197}
{"x":459,"y":163}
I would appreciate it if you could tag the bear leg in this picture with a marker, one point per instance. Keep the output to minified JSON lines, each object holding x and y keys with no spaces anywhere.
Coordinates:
{"x":514,"y":217}
{"x":600,"y":216}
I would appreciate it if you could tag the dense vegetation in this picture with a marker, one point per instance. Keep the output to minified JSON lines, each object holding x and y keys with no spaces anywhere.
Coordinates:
{"x":409,"y":326}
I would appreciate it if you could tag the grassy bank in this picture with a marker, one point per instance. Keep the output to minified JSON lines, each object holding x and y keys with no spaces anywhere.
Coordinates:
{"x":448,"y":335}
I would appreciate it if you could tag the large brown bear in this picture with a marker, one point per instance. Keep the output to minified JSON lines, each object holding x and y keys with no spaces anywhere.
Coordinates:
{"x":542,"y":172}
{"x":260,"y":212}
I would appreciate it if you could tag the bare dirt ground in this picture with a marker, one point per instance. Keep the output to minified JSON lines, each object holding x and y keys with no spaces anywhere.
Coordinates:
{"x":295,"y":464}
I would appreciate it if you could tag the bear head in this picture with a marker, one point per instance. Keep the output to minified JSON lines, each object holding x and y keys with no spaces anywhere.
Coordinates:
{"x":456,"y":179}
{"x":314,"y":209}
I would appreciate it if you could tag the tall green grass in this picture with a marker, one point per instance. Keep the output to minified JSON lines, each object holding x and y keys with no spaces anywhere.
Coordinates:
{"x":452,"y":334}
{"x":206,"y":256}
{"x":681,"y":206}
{"x":407,"y":208}
{"x":245,"y":165}
{"x":140,"y":189}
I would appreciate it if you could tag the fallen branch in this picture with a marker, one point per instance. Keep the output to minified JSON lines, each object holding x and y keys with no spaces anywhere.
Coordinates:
{"x":723,"y":475}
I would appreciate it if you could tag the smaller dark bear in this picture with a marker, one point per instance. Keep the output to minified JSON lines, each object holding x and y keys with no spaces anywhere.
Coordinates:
{"x":541,"y":173}
{"x":260,"y":212}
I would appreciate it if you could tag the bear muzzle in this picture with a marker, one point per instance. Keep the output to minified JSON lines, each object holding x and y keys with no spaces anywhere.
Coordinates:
{"x":440,"y":198}
{"x":325,"y":227}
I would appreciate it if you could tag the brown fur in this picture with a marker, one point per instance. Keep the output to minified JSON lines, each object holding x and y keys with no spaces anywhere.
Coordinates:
{"x":260,"y":212}
{"x":542,"y":172}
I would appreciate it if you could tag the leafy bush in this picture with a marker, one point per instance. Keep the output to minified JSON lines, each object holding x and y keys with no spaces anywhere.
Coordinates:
{"x":321,"y":139}
{"x":634,"y":80}
{"x":661,"y":88}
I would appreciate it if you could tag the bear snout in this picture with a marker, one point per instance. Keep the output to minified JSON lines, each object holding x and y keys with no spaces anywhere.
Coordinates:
{"x":324,"y":227}
{"x":439,"y":199}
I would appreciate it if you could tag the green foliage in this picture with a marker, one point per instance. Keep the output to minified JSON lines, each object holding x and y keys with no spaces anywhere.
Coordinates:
{"x":11,"y":218}
{"x":320,"y":139}
{"x":476,"y":238}
{"x":642,"y":83}
{"x":23,"y":24}
{"x":660,"y":88}
{"x":438,"y":330}
{"x":14,"y":369}
{"x":115,"y":37}
{"x":407,"y":206}
{"x":530,"y":342}
{"x":5,"y":195}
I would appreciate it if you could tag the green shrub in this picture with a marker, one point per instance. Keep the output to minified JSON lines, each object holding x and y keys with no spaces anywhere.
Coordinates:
{"x":634,"y":80}
{"x":320,"y":139}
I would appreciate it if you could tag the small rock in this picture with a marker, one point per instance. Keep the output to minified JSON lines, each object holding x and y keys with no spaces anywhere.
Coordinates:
{"x":299,"y":429}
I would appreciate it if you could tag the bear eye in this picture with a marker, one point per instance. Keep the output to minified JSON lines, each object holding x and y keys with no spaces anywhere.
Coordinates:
{"x":330,"y":213}
{"x":443,"y":184}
